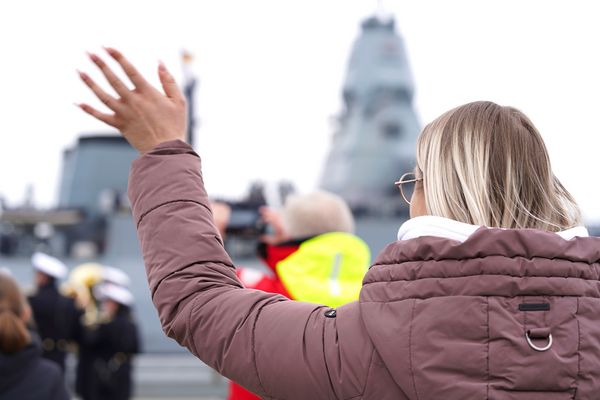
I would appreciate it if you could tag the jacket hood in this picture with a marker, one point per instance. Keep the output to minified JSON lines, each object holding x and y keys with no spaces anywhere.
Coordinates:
{"x":14,"y":366}
{"x":444,"y":284}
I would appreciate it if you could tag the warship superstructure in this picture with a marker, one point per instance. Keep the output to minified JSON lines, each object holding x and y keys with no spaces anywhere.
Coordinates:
{"x":377,"y":130}
{"x":94,"y":181}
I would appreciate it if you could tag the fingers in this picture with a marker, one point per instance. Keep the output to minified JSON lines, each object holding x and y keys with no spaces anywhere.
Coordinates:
{"x":268,"y":239}
{"x":106,"y":118}
{"x":136,"y":78}
{"x":110,"y":76}
{"x":168,"y":83}
{"x":104,"y":97}
{"x":270,"y":215}
{"x":274,"y":218}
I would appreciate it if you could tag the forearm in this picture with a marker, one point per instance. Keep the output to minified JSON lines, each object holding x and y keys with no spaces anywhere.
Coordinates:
{"x":175,"y":229}
{"x":200,"y":301}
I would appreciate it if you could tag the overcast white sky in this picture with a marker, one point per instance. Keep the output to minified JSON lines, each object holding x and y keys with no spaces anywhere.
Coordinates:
{"x":271,"y":73}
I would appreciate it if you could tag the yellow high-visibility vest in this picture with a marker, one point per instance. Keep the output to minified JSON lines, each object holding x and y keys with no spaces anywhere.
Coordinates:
{"x":327,"y":269}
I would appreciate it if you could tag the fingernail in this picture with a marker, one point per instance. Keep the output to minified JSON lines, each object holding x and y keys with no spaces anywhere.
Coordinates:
{"x":161,"y":66}
{"x":82,"y":75}
{"x":92,"y":56}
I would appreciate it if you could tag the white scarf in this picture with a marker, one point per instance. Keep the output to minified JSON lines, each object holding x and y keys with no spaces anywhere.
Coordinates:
{"x":429,"y":225}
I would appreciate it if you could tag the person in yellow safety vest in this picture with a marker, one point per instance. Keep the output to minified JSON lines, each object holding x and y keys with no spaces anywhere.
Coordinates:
{"x":312,"y":254}
{"x":326,"y":269}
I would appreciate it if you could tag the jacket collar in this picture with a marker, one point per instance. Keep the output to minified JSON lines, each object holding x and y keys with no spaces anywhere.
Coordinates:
{"x":430,"y":225}
{"x":272,"y":254}
{"x":491,"y":262}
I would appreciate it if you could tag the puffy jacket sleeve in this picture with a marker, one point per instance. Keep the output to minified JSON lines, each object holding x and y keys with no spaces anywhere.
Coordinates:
{"x":272,"y":346}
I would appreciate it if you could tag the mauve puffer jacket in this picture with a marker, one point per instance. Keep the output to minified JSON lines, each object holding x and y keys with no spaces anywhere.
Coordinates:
{"x":437,"y":319}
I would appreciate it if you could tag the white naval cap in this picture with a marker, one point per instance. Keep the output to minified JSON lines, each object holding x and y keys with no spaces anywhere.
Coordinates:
{"x":115,"y":275}
{"x":49,"y":265}
{"x":114,"y":292}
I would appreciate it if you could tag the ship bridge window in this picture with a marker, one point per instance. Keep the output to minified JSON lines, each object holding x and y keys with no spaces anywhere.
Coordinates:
{"x":401,"y":94}
{"x":349,"y":98}
{"x":391,"y":130}
{"x":382,"y":97}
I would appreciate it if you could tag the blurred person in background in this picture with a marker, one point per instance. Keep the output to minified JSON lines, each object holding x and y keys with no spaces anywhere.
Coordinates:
{"x":312,"y":254}
{"x":80,"y":286}
{"x":24,"y":374}
{"x":491,"y":289}
{"x":115,"y":276}
{"x":56,"y":317}
{"x":112,"y":343}
{"x":85,"y":286}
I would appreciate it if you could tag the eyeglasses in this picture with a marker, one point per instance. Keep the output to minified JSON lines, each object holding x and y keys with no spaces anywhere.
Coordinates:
{"x":406,"y":184}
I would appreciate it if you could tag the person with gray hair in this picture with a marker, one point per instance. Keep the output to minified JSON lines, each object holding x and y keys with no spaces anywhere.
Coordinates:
{"x":311,"y":253}
{"x":316,"y":213}
{"x":312,"y":240}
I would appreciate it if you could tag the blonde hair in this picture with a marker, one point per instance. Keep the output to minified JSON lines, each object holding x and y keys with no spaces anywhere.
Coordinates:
{"x":486,"y":164}
{"x":316,"y":213}
{"x":14,"y":335}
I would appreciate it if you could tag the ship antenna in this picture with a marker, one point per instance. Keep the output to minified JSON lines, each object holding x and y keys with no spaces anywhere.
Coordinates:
{"x":189,"y":90}
{"x":381,"y":13}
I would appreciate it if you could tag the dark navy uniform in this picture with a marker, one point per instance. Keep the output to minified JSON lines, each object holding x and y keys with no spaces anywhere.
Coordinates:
{"x":113,"y":344}
{"x":85,"y":370}
{"x":58,"y":322}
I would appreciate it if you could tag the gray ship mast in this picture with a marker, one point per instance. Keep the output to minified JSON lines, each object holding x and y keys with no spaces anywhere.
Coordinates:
{"x":189,"y":90}
{"x":375,"y":139}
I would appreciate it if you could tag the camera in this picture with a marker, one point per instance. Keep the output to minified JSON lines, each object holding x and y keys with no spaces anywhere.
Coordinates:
{"x":245,"y":220}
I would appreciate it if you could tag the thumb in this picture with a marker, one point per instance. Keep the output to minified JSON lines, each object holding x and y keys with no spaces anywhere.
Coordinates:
{"x":168,"y":83}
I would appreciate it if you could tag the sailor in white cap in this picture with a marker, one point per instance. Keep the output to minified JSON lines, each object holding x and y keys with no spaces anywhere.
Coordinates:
{"x":115,"y":275}
{"x":49,"y":265}
{"x":117,"y":293}
{"x":56,"y":316}
{"x":114,"y":343}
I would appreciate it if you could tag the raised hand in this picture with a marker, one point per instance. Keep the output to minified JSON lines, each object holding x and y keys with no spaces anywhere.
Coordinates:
{"x":144,"y":116}
{"x":273,"y":218}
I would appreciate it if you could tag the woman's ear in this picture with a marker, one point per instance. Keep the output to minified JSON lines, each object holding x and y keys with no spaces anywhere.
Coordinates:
{"x":418,"y":205}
